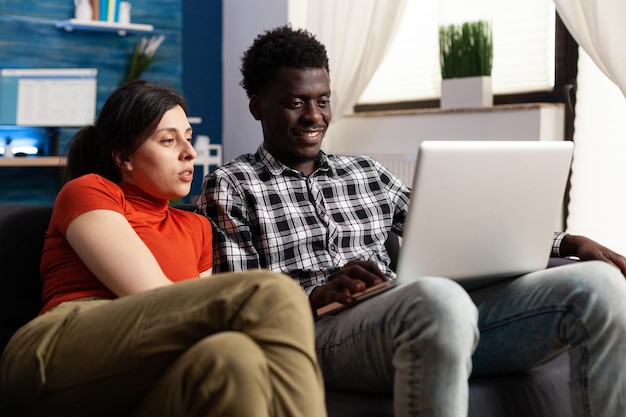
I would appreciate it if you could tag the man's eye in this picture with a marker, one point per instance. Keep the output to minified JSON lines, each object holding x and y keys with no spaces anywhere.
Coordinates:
{"x":296,"y":104}
{"x":323,"y":102}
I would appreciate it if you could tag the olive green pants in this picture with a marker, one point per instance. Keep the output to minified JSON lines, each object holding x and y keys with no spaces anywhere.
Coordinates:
{"x":230,"y":345}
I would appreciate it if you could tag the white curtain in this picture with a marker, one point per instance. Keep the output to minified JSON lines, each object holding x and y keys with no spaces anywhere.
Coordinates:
{"x":357,"y":35}
{"x":597,"y":202}
{"x":599,"y":27}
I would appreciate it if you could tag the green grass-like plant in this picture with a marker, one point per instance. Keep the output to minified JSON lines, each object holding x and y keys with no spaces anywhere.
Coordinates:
{"x":466,"y":50}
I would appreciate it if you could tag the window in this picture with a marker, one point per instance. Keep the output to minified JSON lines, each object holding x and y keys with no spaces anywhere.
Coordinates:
{"x":525,"y":34}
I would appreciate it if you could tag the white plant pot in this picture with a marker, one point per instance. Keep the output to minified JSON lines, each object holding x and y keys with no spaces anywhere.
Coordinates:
{"x":466,"y":92}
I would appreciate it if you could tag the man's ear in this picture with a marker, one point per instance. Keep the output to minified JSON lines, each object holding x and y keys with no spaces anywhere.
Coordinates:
{"x":256,"y":107}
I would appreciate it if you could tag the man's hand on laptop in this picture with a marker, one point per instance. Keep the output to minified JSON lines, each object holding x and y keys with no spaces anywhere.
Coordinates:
{"x":353,"y":278}
{"x":587,"y":249}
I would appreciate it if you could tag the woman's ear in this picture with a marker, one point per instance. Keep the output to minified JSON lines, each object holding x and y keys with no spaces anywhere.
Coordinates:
{"x":256,"y":107}
{"x":122,"y":161}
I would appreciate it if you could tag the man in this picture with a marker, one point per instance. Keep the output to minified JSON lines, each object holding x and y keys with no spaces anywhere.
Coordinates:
{"x":323,"y":219}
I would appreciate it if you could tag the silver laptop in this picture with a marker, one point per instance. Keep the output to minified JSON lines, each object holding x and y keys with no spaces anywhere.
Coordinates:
{"x":483,"y":210}
{"x":480,"y":212}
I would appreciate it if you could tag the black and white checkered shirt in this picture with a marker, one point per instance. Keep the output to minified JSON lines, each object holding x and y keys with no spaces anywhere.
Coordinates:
{"x":268,"y":215}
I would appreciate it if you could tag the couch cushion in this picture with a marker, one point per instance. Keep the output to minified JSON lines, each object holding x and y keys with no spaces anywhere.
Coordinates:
{"x":22,"y":231}
{"x":540,"y":392}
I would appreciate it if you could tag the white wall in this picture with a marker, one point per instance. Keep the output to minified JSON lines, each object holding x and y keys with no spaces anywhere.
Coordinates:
{"x":393,"y":139}
{"x":402,"y":133}
{"x":243,"y":20}
{"x":597,"y":200}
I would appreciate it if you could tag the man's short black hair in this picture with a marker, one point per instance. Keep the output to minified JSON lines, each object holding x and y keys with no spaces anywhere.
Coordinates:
{"x":279,"y":47}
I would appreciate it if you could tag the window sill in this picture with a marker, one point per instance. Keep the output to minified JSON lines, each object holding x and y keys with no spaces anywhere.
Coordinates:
{"x":437,"y":110}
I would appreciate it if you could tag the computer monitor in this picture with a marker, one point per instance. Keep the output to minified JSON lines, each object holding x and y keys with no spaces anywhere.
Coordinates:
{"x":50,"y":97}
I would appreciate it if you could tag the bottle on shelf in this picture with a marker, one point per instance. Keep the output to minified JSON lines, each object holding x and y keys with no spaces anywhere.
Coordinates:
{"x":83,"y":10}
{"x":8,"y":152}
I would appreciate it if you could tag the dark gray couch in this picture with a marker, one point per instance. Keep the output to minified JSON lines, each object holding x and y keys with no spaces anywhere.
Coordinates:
{"x":541,"y":392}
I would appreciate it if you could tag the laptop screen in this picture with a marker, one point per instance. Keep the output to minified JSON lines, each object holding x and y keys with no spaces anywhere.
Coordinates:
{"x":482,"y":209}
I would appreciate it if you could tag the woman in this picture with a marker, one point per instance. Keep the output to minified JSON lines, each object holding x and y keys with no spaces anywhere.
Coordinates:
{"x":124,"y":330}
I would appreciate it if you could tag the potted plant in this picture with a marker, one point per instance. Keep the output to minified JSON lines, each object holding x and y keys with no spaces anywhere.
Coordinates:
{"x":466,"y":57}
{"x":142,"y":56}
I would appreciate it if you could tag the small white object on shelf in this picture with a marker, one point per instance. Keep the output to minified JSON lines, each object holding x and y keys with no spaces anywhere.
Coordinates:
{"x":8,"y":152}
{"x":82,"y":10}
{"x":124,"y":12}
{"x":97,"y":25}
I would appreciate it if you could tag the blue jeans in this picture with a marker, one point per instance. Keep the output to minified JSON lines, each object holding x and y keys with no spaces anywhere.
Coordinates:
{"x":421,"y":340}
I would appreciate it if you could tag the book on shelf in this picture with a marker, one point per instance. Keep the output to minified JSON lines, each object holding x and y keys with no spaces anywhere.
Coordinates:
{"x":109,"y":11}
{"x":95,"y":9}
{"x":104,"y":10}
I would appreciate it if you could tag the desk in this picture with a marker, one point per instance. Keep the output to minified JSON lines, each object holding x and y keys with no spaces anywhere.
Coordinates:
{"x":33,"y":161}
{"x":32,"y":180}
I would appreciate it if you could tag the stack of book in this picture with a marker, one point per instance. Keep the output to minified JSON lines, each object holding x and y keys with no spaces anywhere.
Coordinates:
{"x":106,"y":10}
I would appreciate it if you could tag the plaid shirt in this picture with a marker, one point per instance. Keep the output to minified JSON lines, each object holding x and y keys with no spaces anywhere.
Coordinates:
{"x":267,"y":215}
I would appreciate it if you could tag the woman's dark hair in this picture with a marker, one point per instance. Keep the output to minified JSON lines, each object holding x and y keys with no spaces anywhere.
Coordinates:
{"x":127,"y":119}
{"x":279,"y":47}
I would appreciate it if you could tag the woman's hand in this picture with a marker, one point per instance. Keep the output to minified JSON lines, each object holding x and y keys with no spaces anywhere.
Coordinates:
{"x":587,"y":249}
{"x":352,"y":278}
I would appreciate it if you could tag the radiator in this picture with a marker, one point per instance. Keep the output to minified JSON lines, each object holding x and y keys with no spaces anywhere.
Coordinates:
{"x":403,"y":166}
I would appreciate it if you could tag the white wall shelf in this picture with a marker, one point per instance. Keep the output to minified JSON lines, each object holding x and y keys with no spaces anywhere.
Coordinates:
{"x":99,"y":26}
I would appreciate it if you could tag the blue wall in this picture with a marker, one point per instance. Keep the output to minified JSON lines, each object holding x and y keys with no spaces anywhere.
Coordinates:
{"x":202,"y":63}
{"x":202,"y":75}
{"x":29,"y":38}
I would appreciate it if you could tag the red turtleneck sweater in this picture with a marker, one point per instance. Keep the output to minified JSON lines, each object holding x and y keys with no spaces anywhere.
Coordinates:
{"x":180,"y":241}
